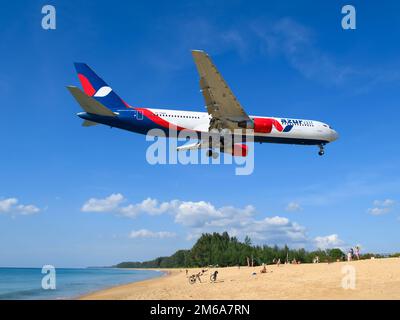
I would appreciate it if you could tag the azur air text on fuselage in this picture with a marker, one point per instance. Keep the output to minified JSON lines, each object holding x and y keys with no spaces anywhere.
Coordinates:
{"x":297,"y":122}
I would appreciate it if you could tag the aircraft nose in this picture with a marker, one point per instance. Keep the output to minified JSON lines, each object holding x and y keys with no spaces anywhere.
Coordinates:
{"x":334,"y":135}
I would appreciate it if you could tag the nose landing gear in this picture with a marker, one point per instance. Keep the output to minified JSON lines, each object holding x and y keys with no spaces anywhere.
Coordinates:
{"x":321,"y":150}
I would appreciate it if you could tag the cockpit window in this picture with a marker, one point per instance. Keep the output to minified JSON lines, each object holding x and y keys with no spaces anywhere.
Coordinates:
{"x":325,"y":125}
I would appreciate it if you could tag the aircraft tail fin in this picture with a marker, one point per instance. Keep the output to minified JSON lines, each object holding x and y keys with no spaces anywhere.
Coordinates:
{"x":89,"y":104}
{"x":96,"y":87}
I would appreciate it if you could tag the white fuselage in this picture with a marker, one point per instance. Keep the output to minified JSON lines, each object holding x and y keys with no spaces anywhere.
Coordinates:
{"x":300,"y":131}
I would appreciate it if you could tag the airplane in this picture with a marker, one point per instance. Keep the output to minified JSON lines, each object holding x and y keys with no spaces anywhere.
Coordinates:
{"x":225,"y":115}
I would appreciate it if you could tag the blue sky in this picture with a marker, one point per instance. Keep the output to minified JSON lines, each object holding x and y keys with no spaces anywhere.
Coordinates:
{"x":281,"y":58}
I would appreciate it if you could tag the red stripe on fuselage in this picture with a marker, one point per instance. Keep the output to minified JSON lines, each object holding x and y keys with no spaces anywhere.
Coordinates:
{"x":277,"y":125}
{"x":160,"y":121}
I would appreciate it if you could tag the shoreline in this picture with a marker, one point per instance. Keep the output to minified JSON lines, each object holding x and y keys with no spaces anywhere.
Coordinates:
{"x":374,"y":279}
{"x":96,"y":295}
{"x":94,"y":292}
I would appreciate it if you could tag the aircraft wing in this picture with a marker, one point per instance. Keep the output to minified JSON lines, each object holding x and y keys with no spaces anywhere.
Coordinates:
{"x":221,"y":103}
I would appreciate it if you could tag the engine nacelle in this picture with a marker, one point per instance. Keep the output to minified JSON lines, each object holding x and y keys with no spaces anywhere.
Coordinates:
{"x":237,"y":150}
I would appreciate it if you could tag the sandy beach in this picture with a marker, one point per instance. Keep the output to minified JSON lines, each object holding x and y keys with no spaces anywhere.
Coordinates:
{"x":374,"y":279}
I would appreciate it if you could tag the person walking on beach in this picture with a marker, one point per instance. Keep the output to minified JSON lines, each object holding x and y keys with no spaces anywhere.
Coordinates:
{"x":198,"y":276}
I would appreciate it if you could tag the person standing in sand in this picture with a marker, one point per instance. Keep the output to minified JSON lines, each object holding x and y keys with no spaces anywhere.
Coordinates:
{"x":358,"y":252}
{"x":349,"y":254}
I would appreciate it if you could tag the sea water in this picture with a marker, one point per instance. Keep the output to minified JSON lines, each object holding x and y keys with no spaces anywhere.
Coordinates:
{"x":26,"y":283}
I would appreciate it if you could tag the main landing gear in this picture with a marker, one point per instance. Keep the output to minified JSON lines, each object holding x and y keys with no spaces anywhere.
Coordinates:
{"x":212,"y":154}
{"x":321,"y":150}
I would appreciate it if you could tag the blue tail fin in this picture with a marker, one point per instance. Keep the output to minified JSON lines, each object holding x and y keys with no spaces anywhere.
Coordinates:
{"x":96,"y":87}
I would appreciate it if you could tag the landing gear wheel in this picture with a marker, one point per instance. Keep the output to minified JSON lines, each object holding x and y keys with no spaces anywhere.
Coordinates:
{"x":212,"y":154}
{"x":321,"y":150}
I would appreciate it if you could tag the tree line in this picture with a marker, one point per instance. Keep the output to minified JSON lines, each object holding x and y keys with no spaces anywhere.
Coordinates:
{"x":223,"y":250}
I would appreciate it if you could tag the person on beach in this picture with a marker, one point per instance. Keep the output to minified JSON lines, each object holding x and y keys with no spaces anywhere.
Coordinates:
{"x":358,"y":252}
{"x":214,"y":275}
{"x":187,"y":272}
{"x":264,"y":269}
{"x":278,"y":263}
{"x":198,"y":276}
{"x":350,"y":254}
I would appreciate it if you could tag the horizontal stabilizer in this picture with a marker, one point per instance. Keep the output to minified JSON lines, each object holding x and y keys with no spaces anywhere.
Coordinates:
{"x":88,"y":123}
{"x":89,"y":104}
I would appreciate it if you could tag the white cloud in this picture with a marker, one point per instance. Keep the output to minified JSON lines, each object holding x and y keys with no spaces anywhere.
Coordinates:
{"x":144,"y":233}
{"x":198,"y":217}
{"x":293,"y":207}
{"x":107,"y":204}
{"x":384,"y":203}
{"x":201,"y":216}
{"x":113,"y":202}
{"x":378,"y":211}
{"x":12,"y":206}
{"x":197,"y":214}
{"x":27,"y":209}
{"x":148,"y":206}
{"x":7,"y":204}
{"x":382,"y":207}
{"x":327,"y":242}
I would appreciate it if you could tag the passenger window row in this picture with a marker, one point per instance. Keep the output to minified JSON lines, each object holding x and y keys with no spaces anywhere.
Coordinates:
{"x":177,"y":116}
